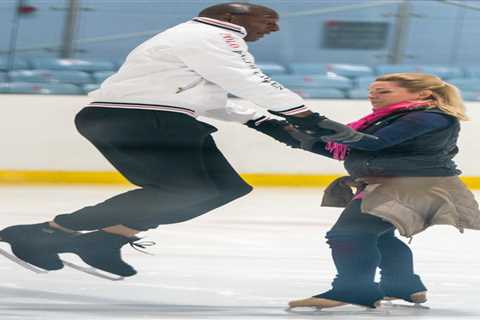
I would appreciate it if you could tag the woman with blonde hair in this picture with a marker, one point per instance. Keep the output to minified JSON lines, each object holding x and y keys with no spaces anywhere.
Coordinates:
{"x":406,"y":180}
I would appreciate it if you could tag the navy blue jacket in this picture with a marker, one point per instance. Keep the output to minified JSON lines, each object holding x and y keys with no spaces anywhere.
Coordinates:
{"x":411,"y":143}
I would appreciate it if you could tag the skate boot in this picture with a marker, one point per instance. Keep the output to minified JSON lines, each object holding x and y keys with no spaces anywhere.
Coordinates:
{"x":319,"y":303}
{"x":410,"y":289}
{"x":36,"y":244}
{"x":102,"y":250}
{"x":417,"y":297}
{"x":357,"y":293}
{"x":332,"y":298}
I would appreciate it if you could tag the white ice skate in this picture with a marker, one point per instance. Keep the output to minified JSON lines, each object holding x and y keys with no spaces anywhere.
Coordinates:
{"x":417,"y":299}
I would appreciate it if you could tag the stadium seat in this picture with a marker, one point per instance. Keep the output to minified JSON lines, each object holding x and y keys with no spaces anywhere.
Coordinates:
{"x":3,"y":76}
{"x":118,"y":63}
{"x":363,"y":82}
{"x":270,"y":68}
{"x":90,"y":87}
{"x":65,"y":76}
{"x":472,"y":71}
{"x":39,"y":88}
{"x":394,"y":68}
{"x":359,"y":93}
{"x":466,"y":84}
{"x":344,"y":70}
{"x":72,"y":64}
{"x":320,"y":93}
{"x":313,"y":81}
{"x":349,"y":70}
{"x":471,"y":95}
{"x":100,"y":76}
{"x":443,"y":72}
{"x":307,"y":68}
{"x":17,"y":64}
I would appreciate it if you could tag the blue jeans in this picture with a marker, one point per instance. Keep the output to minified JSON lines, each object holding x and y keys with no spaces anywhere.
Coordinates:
{"x":360,"y":243}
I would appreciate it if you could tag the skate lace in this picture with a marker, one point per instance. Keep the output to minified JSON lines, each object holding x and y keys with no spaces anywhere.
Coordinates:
{"x":143,"y":245}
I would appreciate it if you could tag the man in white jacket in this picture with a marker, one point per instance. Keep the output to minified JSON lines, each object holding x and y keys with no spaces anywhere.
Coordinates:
{"x":143,"y":120}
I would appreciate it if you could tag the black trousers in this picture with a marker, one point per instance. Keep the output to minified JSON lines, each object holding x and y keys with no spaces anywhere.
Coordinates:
{"x":170,"y":156}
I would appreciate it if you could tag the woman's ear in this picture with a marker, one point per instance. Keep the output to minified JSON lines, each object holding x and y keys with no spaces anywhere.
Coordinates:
{"x":425,"y":94}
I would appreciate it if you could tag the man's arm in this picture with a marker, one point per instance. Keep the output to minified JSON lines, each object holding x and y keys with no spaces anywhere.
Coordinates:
{"x":223,"y":59}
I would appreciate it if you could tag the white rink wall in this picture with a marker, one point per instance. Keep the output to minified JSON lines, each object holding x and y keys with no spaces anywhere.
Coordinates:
{"x":38,"y":133}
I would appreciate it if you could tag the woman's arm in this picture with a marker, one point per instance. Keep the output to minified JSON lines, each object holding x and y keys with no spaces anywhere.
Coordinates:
{"x":407,"y":127}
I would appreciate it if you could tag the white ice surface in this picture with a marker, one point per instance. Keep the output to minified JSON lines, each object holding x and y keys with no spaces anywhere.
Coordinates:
{"x":245,"y":260}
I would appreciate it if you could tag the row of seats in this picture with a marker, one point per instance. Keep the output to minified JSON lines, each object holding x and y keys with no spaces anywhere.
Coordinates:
{"x":338,"y":82}
{"x":289,"y":80}
{"x":73,"y":76}
{"x":62,"y":76}
{"x":91,"y":65}
{"x":350,"y":71}
{"x":353,"y":71}
{"x":45,"y":88}
{"x":330,"y":93}
{"x":308,"y":93}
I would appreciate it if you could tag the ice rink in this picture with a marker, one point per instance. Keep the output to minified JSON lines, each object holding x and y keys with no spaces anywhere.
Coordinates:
{"x":245,"y":260}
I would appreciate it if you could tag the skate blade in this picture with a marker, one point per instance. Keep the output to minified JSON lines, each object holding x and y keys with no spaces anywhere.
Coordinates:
{"x":392,"y":305}
{"x":303,"y":310}
{"x":22,"y":263}
{"x":92,"y":271}
{"x":345,"y":310}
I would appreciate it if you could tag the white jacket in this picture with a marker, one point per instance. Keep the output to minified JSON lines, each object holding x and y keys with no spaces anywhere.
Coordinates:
{"x":193,"y":66}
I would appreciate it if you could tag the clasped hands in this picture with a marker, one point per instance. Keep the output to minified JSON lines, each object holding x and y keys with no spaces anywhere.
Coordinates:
{"x":305,"y":131}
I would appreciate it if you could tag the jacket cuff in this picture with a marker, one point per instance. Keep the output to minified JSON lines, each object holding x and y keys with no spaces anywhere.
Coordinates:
{"x":289,"y":112}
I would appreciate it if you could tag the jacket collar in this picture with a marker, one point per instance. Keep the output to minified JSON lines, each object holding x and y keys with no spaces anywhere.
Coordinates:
{"x":222,"y":24}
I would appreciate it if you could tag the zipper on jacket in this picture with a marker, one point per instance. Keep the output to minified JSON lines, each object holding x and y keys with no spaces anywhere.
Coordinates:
{"x":189,"y":86}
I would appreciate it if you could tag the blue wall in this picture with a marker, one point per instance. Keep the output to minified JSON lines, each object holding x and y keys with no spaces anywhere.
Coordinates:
{"x":438,"y":33}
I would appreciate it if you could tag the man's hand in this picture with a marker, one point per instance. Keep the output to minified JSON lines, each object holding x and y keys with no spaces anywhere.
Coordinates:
{"x":306,"y":121}
{"x":275,"y":129}
{"x":286,"y":133}
{"x":324,"y":129}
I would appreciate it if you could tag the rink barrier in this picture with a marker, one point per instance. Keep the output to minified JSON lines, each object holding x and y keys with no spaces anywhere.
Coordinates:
{"x":32,"y":177}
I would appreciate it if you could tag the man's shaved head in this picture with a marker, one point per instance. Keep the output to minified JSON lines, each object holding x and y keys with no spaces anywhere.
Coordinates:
{"x":257,"y":20}
{"x":239,"y":8}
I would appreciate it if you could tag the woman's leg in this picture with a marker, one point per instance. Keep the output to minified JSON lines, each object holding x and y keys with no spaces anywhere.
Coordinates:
{"x":353,"y":241}
{"x":397,"y":276}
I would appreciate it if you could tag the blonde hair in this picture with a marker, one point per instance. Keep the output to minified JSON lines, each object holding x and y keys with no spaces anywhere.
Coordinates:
{"x":445,"y":96}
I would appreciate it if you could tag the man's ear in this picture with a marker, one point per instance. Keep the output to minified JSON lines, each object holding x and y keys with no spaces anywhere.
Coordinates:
{"x":228,"y":17}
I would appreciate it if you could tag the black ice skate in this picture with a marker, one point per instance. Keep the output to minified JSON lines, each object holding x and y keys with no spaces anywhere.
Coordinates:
{"x":34,"y":246}
{"x":101,"y":250}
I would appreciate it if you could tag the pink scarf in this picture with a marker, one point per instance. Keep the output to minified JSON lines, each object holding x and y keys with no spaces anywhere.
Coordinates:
{"x":340,"y":151}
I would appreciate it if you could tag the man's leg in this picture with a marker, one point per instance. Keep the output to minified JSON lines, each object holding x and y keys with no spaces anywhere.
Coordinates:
{"x":226,"y":179}
{"x":180,"y":176}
